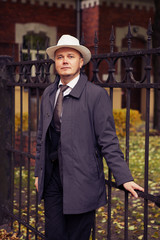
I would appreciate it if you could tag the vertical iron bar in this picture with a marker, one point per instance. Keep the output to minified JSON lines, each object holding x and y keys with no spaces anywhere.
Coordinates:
{"x":148,"y":72}
{"x":109,"y":187}
{"x":146,"y":162}
{"x":29,"y":139}
{"x":21,"y":149}
{"x":13,"y":154}
{"x":109,"y":204}
{"x":127,"y":157}
{"x":37,"y":95}
{"x":129,"y":37}
{"x":112,"y":39}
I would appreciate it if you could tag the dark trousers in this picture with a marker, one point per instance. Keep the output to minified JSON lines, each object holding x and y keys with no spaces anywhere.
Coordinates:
{"x":59,"y":226}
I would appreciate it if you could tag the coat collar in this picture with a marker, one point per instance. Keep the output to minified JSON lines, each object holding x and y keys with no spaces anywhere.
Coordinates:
{"x":77,"y":90}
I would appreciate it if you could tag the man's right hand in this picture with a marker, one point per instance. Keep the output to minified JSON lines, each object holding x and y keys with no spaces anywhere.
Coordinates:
{"x":36,"y":183}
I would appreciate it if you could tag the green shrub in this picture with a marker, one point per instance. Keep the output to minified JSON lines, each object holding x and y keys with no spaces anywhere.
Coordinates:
{"x":120,"y":121}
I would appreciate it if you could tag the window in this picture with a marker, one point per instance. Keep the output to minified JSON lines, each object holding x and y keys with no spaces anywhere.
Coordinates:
{"x":34,"y":41}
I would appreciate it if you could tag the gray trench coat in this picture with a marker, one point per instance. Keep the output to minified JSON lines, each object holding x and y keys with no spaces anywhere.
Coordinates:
{"x":87,"y":135}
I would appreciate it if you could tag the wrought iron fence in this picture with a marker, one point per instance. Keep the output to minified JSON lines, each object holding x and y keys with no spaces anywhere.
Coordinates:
{"x":29,"y":79}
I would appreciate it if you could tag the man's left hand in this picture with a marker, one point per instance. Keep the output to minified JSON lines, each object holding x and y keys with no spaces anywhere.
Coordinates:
{"x":131,"y":187}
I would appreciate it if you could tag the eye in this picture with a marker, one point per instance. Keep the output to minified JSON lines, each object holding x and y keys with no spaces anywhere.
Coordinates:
{"x":71,"y":56}
{"x":59,"y":57}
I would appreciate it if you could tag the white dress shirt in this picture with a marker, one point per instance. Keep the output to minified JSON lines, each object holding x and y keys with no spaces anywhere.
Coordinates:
{"x":70,"y":85}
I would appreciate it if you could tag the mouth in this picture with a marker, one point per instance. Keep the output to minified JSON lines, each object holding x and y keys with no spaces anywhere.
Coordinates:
{"x":65,"y":68}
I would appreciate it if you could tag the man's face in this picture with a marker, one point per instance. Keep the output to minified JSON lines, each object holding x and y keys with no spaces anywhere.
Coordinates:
{"x":68,"y":63}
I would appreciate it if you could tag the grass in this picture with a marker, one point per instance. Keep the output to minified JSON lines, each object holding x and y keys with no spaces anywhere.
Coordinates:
{"x":136,"y":206}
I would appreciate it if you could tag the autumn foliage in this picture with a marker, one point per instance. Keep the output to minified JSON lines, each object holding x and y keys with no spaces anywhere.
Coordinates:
{"x":120,"y":121}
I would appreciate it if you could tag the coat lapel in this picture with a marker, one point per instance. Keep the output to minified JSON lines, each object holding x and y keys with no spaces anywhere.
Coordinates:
{"x":48,"y":108}
{"x":52,"y":93}
{"x":78,"y":89}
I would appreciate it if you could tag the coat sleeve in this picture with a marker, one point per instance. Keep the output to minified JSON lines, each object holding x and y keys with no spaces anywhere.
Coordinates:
{"x":39,"y":140}
{"x":107,"y":138}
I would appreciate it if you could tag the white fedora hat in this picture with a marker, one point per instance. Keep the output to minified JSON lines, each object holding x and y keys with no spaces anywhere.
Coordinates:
{"x":70,"y":42}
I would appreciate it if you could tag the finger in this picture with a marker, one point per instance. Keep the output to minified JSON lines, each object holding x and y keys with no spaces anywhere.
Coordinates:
{"x":137,"y":187}
{"x":140,"y":189}
{"x":134,"y":193}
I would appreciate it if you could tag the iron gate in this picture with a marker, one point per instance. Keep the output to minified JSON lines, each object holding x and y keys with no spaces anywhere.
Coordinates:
{"x":30,"y":78}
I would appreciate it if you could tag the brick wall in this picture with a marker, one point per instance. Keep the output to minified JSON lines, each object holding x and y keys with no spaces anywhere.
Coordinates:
{"x":101,"y":18}
{"x":11,"y":13}
{"x":90,"y":24}
{"x":97,"y":18}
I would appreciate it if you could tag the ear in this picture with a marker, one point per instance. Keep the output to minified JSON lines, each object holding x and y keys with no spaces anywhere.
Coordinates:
{"x":81,"y":62}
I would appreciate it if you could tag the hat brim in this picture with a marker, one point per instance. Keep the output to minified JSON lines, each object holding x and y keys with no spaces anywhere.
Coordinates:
{"x":82,"y":49}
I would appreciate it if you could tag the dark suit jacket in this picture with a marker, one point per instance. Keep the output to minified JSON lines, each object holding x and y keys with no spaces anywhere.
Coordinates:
{"x":87,"y":135}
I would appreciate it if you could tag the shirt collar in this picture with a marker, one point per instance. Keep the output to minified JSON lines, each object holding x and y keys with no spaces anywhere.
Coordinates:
{"x":72,"y":83}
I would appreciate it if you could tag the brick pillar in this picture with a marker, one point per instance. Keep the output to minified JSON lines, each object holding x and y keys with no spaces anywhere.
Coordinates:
{"x":5,"y":136}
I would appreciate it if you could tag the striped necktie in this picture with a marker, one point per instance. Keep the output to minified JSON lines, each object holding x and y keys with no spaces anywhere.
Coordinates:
{"x":58,"y":108}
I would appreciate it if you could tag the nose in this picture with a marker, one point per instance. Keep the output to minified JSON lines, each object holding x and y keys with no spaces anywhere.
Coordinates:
{"x":65,"y":60}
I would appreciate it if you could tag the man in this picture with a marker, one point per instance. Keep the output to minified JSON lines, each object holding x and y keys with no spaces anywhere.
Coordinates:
{"x":69,"y":168}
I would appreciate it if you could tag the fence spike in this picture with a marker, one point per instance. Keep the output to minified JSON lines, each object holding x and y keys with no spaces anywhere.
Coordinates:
{"x":149,"y":31}
{"x":149,"y":34}
{"x":129,"y":36}
{"x":37,"y":55}
{"x":112,"y":39}
{"x":47,"y":45}
{"x":29,"y":58}
{"x":21,"y":55}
